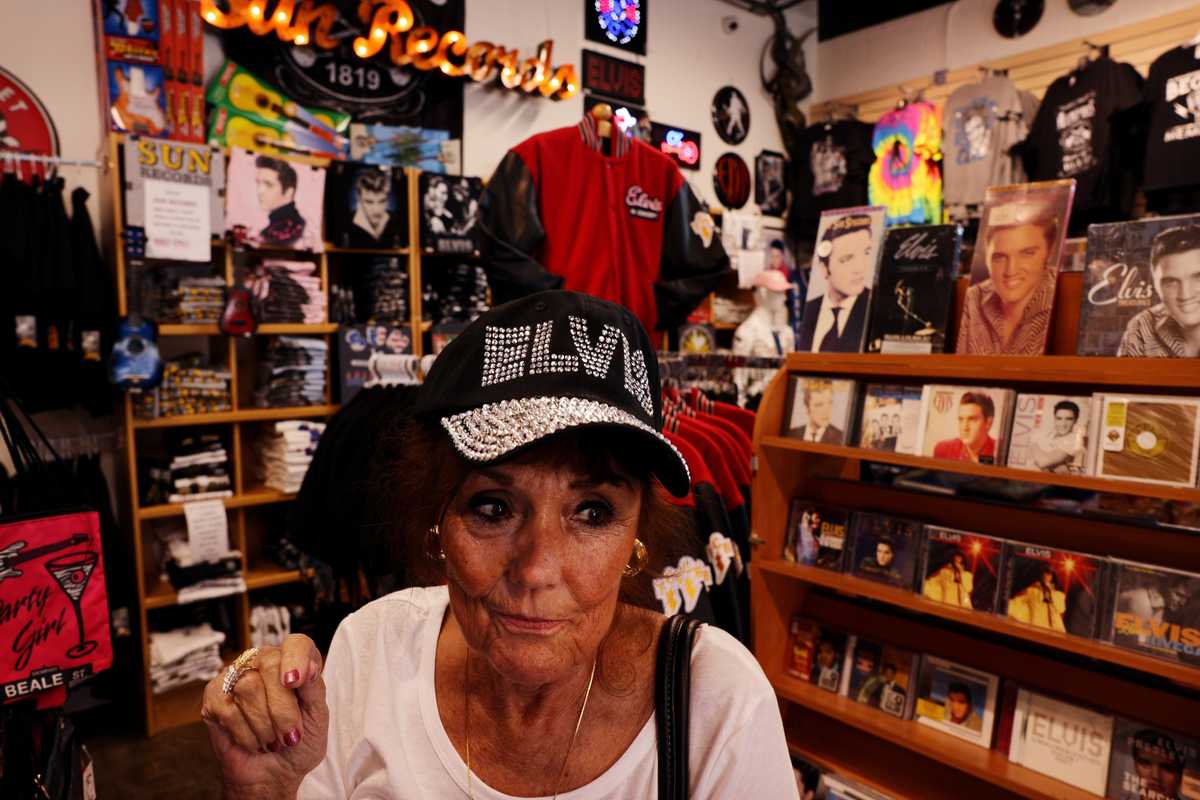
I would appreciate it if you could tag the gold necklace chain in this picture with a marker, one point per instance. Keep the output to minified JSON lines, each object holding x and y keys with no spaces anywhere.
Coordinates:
{"x":563,"y":771}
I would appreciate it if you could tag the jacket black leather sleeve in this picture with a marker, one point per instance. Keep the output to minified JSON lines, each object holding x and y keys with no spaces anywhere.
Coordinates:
{"x":691,"y":267}
{"x":512,"y":232}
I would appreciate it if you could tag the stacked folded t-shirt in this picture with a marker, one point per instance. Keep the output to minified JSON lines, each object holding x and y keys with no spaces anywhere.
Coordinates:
{"x":288,"y":292}
{"x":387,"y":290}
{"x":184,"y":655}
{"x":269,"y":625}
{"x":196,"y":300}
{"x":199,"y":469}
{"x":189,"y":386}
{"x":287,"y":452}
{"x":198,"y":580}
{"x":292,"y":373}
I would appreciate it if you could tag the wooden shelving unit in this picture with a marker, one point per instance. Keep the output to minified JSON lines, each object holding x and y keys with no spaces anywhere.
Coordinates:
{"x":903,"y":757}
{"x":239,"y":425}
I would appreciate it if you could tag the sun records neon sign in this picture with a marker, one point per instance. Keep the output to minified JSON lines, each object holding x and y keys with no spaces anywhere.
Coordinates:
{"x":390,"y":23}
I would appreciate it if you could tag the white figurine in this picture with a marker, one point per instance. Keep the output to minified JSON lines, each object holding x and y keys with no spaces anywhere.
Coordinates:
{"x":765,"y":332}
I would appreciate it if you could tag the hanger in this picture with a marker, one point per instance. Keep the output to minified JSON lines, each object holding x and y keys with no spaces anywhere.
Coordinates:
{"x":602,"y":113}
{"x":1098,"y":50}
{"x":909,"y":96}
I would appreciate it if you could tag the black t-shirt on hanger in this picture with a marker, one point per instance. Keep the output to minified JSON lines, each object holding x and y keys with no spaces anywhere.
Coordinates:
{"x":1172,"y":95}
{"x":1071,"y":137}
{"x":830,"y":171}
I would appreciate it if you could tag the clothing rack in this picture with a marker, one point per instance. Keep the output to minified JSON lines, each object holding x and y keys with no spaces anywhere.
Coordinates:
{"x":398,"y":370}
{"x":674,"y":365}
{"x":57,"y":161}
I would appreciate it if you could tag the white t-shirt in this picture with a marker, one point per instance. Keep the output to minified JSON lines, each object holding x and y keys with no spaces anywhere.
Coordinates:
{"x":386,"y":740}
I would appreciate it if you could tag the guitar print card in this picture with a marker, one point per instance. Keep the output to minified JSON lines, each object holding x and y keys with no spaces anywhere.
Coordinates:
{"x":53,"y":604}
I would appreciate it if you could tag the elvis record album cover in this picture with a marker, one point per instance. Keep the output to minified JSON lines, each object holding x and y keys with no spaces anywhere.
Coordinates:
{"x":915,"y":290}
{"x":1067,"y":742}
{"x":881,"y":676}
{"x":885,"y":549}
{"x":960,"y":568}
{"x":1149,"y":762}
{"x":844,"y":264}
{"x":1148,"y":438}
{"x":816,"y":535}
{"x":957,"y":700}
{"x":1014,"y":273}
{"x":1050,"y":434}
{"x":1059,"y":590}
{"x":965,"y":423}
{"x":820,"y":409}
{"x":891,"y":414}
{"x":816,"y":653}
{"x":1157,"y":611}
{"x":1136,"y":296}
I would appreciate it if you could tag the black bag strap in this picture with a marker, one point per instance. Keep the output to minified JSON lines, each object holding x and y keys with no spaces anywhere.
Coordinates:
{"x":672,"y":682}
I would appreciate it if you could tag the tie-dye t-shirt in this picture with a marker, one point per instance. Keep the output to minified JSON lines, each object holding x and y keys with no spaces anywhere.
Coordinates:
{"x":907,"y":174}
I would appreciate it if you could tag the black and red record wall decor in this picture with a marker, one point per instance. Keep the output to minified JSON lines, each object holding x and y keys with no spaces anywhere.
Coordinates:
{"x":731,"y":114}
{"x":731,"y":180}
{"x":25,"y":124}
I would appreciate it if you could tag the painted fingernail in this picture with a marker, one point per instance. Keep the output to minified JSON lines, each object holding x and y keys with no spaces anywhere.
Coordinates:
{"x":274,"y":746}
{"x":291,"y":678}
{"x":292,"y":739}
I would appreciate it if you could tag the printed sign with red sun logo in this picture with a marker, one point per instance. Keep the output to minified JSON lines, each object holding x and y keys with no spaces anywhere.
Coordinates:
{"x":25,"y":125}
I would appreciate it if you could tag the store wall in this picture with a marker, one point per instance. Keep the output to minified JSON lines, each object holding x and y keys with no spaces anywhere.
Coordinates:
{"x":689,"y":57}
{"x":912,"y":48}
{"x":48,"y":46}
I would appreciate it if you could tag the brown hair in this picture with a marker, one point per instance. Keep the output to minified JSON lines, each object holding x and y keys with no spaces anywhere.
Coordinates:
{"x":372,"y":180}
{"x":981,"y":399}
{"x":423,"y":480}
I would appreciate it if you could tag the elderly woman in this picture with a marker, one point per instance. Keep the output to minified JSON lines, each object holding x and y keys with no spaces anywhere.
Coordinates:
{"x":532,"y":671}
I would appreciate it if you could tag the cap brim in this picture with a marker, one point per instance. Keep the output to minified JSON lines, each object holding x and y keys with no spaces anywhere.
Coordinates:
{"x":494,"y":430}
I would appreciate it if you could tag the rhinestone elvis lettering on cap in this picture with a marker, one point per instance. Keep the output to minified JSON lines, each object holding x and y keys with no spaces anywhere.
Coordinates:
{"x":544,"y":364}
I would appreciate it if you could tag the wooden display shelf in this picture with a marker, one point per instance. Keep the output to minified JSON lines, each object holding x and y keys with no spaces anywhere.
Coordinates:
{"x":1088,"y":482}
{"x":258,"y":496}
{"x":329,"y":248}
{"x":1181,"y":674}
{"x":282,"y":328}
{"x":1152,"y":374}
{"x":181,"y":705}
{"x":243,"y":415}
{"x":262,"y":576}
{"x":368,"y":251}
{"x":818,"y":736}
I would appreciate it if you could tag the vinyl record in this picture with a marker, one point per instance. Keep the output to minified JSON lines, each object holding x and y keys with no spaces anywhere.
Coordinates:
{"x":731,"y":115}
{"x":1015,"y":18}
{"x":731,"y":181}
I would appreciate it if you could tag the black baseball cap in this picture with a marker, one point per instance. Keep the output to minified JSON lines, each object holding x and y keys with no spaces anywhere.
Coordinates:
{"x":550,"y":362}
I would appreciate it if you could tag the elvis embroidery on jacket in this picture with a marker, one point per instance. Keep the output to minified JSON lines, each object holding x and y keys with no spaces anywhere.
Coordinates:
{"x":642,"y":205}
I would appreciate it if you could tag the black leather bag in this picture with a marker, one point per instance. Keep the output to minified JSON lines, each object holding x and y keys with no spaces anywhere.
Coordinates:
{"x":672,"y":690}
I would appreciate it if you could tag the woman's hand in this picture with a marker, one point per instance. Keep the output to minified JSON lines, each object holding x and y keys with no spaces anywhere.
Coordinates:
{"x":270,"y":731}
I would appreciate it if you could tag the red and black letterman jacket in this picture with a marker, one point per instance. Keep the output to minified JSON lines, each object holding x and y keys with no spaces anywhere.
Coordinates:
{"x":559,"y":214}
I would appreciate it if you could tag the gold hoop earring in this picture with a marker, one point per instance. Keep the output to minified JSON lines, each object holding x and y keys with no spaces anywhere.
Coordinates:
{"x":638,"y":561}
{"x":433,"y":544}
